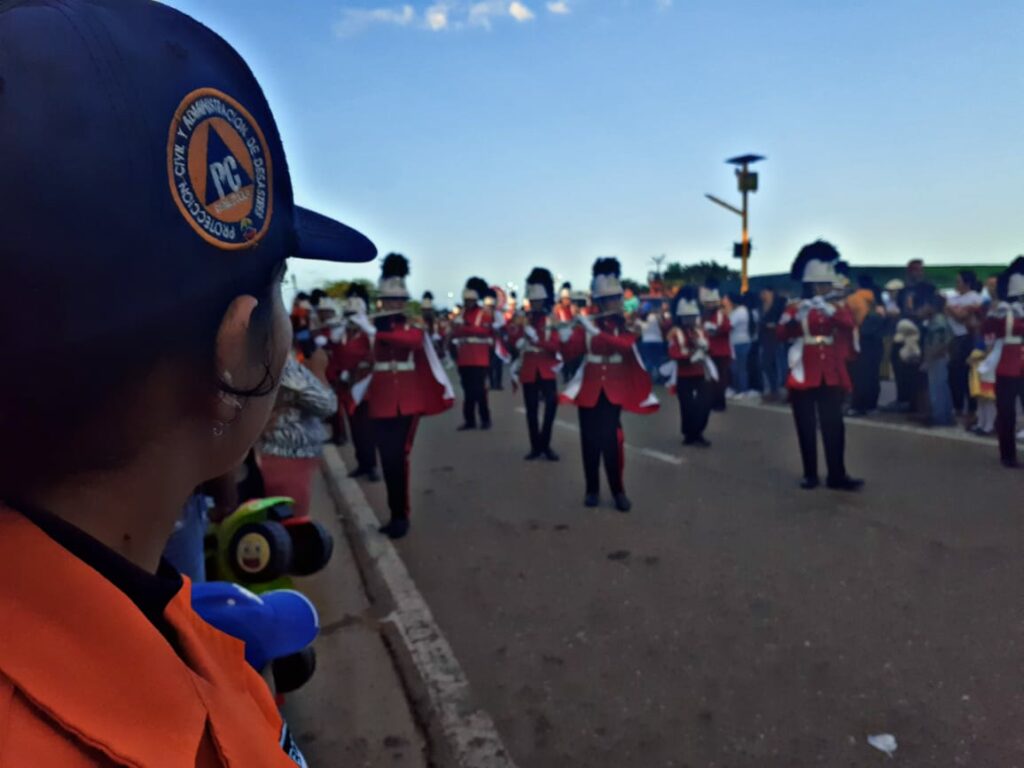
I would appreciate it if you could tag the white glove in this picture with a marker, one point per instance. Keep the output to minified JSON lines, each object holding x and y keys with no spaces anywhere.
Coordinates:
{"x":710,"y":327}
{"x":363,"y":322}
{"x":531,"y":334}
{"x":588,"y":325}
{"x":345,"y":377}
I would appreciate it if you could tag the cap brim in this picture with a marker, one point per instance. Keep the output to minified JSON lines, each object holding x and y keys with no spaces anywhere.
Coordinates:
{"x":323,"y":239}
{"x":296,"y":622}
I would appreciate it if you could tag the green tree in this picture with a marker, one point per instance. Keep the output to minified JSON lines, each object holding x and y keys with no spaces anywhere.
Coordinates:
{"x":338,"y":288}
{"x":699,"y":273}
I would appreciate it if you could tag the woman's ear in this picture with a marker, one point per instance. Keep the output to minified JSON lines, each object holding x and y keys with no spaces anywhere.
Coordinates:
{"x":233,"y":349}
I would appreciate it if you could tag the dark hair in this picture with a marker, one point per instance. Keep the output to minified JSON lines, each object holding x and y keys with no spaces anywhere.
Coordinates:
{"x":970,"y":278}
{"x":79,"y":409}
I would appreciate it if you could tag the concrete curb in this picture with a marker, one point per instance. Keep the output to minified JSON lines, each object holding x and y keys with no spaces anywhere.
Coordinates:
{"x":460,"y":734}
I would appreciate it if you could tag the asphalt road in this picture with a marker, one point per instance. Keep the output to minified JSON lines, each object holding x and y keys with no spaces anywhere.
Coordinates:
{"x":731,"y":619}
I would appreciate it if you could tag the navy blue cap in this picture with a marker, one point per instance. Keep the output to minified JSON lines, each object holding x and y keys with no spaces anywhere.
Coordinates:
{"x":139,"y":156}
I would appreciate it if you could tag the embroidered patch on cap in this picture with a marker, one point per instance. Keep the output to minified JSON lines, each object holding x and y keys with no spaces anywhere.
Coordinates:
{"x":220,"y":170}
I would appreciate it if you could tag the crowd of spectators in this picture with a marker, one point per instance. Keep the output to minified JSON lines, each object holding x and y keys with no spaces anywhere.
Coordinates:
{"x":918,"y":348}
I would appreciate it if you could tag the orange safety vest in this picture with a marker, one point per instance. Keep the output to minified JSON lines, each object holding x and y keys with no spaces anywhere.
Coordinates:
{"x":87,"y":680}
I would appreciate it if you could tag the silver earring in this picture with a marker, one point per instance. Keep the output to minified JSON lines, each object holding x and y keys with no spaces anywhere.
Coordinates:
{"x":218,"y":428}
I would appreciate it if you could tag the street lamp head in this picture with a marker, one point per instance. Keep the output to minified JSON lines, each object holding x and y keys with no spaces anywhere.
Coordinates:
{"x":745,"y":159}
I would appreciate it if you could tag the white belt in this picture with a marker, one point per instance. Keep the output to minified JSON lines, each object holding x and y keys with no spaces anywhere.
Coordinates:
{"x":535,"y":350}
{"x":396,"y":366}
{"x":489,"y":341}
{"x":1013,"y":340}
{"x":604,"y":360}
{"x":818,"y":341}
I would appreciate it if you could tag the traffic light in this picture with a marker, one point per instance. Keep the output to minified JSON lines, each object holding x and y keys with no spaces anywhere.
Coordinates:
{"x":737,"y":249}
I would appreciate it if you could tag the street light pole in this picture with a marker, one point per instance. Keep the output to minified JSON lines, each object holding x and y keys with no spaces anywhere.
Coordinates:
{"x":745,"y":242}
{"x":747,"y":183}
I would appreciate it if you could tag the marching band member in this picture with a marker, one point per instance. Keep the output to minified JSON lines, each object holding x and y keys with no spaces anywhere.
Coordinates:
{"x":538,"y":364}
{"x":610,"y":378}
{"x":818,"y":380}
{"x":565,"y":311}
{"x":1006,"y":323}
{"x":716,"y":328}
{"x":688,"y":350}
{"x":350,"y":368}
{"x":407,"y":383}
{"x":498,"y":355}
{"x":473,"y":334}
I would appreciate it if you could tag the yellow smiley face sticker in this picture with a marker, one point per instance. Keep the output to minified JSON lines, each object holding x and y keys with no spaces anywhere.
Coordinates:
{"x":253,"y":553}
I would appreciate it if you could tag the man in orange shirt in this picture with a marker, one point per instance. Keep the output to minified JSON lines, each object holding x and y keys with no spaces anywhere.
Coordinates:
{"x":164,"y":232}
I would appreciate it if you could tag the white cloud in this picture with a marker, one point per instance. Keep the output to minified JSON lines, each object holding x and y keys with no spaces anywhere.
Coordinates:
{"x":519,"y":12}
{"x":663,"y":5}
{"x":355,"y":20}
{"x":481,"y":13}
{"x":443,"y":15}
{"x":560,"y":7}
{"x":436,"y":17}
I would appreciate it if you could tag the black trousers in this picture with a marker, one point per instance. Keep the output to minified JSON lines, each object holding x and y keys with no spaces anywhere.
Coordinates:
{"x":866,"y":375}
{"x":1009,"y":389}
{"x":360,"y":425}
{"x":474,"y":389}
{"x":694,"y":405}
{"x":724,"y":366}
{"x":533,"y":394}
{"x":824,"y":404}
{"x":959,"y":374}
{"x":497,"y":370}
{"x":601,"y":436}
{"x":905,"y":376}
{"x":394,"y":442}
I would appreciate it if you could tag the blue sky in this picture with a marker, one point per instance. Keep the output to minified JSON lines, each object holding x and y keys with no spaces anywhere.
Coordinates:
{"x":489,"y":137}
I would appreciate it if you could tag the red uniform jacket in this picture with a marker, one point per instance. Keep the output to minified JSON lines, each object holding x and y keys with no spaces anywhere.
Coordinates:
{"x":475,"y":337}
{"x":845,"y":333}
{"x":404,"y":384}
{"x":822,"y":359}
{"x":1011,"y":361}
{"x":540,"y":358}
{"x":563,"y":313}
{"x":354,"y":356}
{"x":611,"y":365}
{"x":718,"y":337}
{"x":682,"y":344}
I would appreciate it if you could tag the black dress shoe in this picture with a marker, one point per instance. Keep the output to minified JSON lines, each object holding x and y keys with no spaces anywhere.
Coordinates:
{"x":846,"y":484}
{"x":591,"y":500}
{"x":372,"y":475}
{"x":396,"y":528}
{"x":550,"y":455}
{"x":622,"y":502}
{"x":486,"y":424}
{"x":809,"y":483}
{"x":532,"y":456}
{"x":358,"y":472}
{"x":1010,"y":463}
{"x":465,"y":427}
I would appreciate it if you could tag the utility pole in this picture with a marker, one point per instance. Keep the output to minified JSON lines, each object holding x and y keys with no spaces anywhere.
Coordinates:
{"x":747,"y":182}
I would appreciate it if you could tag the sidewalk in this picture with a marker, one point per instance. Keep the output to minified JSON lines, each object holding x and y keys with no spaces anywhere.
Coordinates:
{"x":354,"y":712}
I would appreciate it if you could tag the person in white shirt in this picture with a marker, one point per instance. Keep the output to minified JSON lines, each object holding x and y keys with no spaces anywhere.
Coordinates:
{"x":739,"y":340}
{"x":963,"y":309}
{"x":653,"y":348}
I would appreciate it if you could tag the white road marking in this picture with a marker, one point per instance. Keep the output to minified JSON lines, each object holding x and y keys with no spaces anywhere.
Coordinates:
{"x":650,"y":453}
{"x":942,"y":433}
{"x":469,"y":734}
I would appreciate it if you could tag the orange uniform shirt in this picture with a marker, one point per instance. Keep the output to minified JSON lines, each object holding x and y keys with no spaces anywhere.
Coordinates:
{"x":87,"y":680}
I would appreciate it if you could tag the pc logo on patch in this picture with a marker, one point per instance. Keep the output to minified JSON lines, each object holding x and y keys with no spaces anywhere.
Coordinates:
{"x":220,"y":170}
